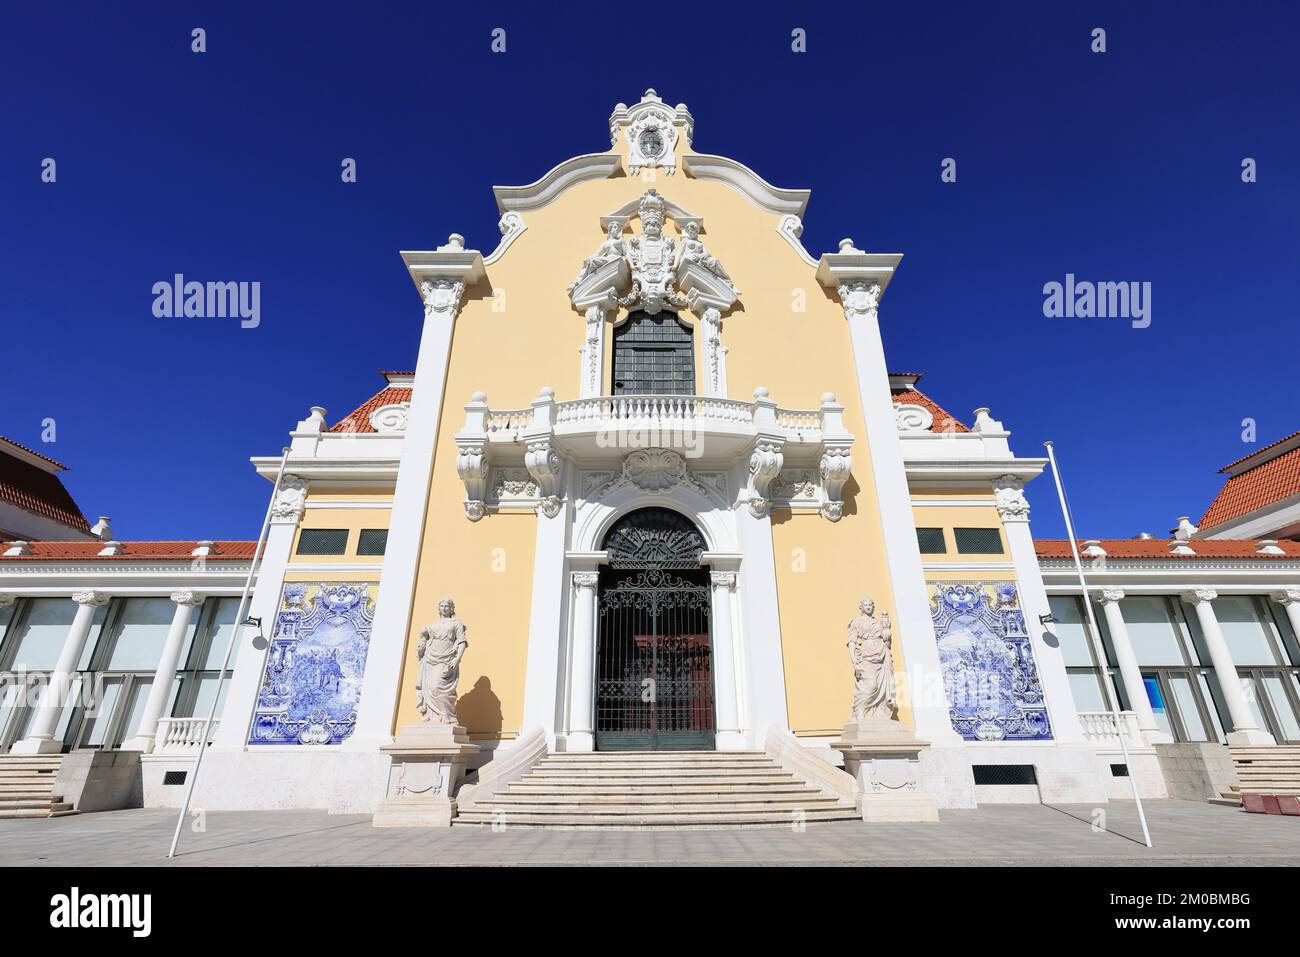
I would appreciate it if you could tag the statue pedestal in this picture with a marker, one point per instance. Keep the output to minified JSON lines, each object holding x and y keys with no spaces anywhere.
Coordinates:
{"x":884,"y":758}
{"x":428,"y":764}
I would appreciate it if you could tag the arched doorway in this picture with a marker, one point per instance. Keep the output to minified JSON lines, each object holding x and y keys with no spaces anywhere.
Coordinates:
{"x":654,"y":657}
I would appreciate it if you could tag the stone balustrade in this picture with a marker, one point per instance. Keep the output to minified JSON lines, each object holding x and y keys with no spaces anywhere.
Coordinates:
{"x":182,"y":735}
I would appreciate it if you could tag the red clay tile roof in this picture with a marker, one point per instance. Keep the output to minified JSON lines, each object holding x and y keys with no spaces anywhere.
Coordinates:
{"x":1285,"y":438}
{"x":131,"y":552}
{"x":943,"y":421}
{"x":31,"y":487}
{"x":1139,"y":548}
{"x":359,"y":419}
{"x":1270,"y":481}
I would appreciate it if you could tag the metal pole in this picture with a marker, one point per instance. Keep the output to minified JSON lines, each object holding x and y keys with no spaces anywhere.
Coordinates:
{"x":1098,"y":648}
{"x":230,"y":649}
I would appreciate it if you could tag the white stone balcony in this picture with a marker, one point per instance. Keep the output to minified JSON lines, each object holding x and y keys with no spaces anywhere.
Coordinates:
{"x":707,"y":431}
{"x":181,"y":735}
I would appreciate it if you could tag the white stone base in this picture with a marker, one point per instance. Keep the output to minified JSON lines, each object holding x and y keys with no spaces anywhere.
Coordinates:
{"x":575,"y":741}
{"x":898,"y":806}
{"x":1067,"y":774}
{"x":1250,"y":739}
{"x":731,"y":741}
{"x":428,"y":764}
{"x":141,"y":742}
{"x":36,"y":746}
{"x":1143,"y":766}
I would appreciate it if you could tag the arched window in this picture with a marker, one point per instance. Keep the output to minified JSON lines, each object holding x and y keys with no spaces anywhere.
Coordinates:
{"x":654,"y":355}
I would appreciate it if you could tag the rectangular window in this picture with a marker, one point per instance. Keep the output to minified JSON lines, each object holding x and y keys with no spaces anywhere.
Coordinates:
{"x":323,"y":541}
{"x":141,"y":632}
{"x":1085,"y":687}
{"x":372,"y":541}
{"x":1151,"y":631}
{"x":1071,"y":631}
{"x":978,"y":541}
{"x":39,"y":638}
{"x":1243,"y":630}
{"x":931,"y":541}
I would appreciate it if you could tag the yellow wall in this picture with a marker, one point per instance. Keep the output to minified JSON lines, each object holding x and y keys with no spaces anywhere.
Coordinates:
{"x":960,"y":516}
{"x":353,"y":519}
{"x":518,"y":332}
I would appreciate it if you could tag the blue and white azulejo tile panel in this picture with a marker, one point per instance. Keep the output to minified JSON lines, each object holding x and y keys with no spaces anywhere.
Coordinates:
{"x":311,"y":684}
{"x":989,"y":673}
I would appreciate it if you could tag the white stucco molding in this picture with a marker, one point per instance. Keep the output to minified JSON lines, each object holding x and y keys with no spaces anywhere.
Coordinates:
{"x":791,"y":229}
{"x":772,"y":199}
{"x":512,"y":226}
{"x":550,"y":187}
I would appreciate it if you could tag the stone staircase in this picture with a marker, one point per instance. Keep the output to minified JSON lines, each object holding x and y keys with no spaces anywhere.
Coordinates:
{"x":656,"y":789}
{"x":1267,"y":770}
{"x":27,"y":786}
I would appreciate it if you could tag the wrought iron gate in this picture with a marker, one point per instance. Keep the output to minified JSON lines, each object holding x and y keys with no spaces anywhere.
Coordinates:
{"x":654,"y":661}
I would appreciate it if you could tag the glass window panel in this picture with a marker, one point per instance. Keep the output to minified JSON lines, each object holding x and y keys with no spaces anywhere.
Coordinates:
{"x":372,"y":541}
{"x":134,"y":709}
{"x":1150,"y":631}
{"x":100,"y":714}
{"x":1085,"y":686}
{"x":978,"y":541}
{"x":203,"y":699}
{"x":223,"y":623}
{"x":6,"y":616}
{"x":1275,"y":687}
{"x":322,"y":541}
{"x":931,"y":541}
{"x":141,"y":634}
{"x":93,"y":637}
{"x":12,"y":696}
{"x":43,"y":633}
{"x":1250,"y":691}
{"x":1290,"y":641}
{"x":1243,"y":630}
{"x":1210,"y":689}
{"x":1185,"y":699}
{"x":1156,"y":698}
{"x":1072,"y":631}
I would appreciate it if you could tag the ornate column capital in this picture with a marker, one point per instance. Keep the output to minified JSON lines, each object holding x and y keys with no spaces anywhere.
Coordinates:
{"x":722,"y":579}
{"x":95,"y":599}
{"x":1009,"y":499}
{"x":585,"y":579}
{"x":764,"y":465}
{"x":1289,"y":596}
{"x":1109,"y":596}
{"x":190,"y":598}
{"x":1199,"y":595}
{"x":860,"y":298}
{"x":290,"y":500}
{"x":442,"y":297}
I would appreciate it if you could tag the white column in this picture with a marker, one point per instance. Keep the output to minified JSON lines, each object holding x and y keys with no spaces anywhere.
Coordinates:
{"x":1290,"y":600}
{"x":1244,"y":731}
{"x":1129,"y":672}
{"x":582,"y":696}
{"x":1014,"y":511}
{"x":160,"y":690}
{"x":40,"y":737}
{"x":378,"y":706}
{"x":730,"y":736}
{"x":913,"y":624}
{"x":249,"y":660}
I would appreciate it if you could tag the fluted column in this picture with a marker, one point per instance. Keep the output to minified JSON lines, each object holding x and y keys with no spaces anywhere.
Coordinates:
{"x":160,"y":690}
{"x":729,"y":736}
{"x":40,"y":737}
{"x":1245,"y":732}
{"x":582,"y":694}
{"x":1129,"y":671}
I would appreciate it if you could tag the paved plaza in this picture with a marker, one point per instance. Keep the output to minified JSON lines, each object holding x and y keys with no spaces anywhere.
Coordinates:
{"x":1185,"y":833}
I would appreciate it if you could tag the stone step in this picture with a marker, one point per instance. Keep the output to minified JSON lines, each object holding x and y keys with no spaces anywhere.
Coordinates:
{"x":651,"y":756}
{"x":636,"y":770}
{"x":651,"y":810}
{"x":635,"y":821}
{"x":45,"y":810}
{"x":523,"y":786}
{"x":33,"y":794}
{"x":9,"y":770}
{"x":703,"y":801}
{"x":658,"y":781}
{"x":694,"y":767}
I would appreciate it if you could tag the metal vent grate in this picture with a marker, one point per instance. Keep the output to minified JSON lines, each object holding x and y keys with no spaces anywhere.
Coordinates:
{"x":323,"y":541}
{"x":1119,"y":770}
{"x":173,"y":778}
{"x":372,"y":541}
{"x":931,"y":541}
{"x":978,"y":541}
{"x":1004,"y":774}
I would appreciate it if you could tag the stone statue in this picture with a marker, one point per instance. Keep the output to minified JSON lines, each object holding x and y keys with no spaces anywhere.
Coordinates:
{"x":870,"y":650}
{"x":693,"y":250}
{"x":440,"y":648}
{"x":613,"y":248}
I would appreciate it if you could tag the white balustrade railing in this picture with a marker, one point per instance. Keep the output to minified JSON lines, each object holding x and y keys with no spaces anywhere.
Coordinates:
{"x":181,"y":735}
{"x":799,"y":420}
{"x":663,"y":409}
{"x":1099,"y":727}
{"x":509,"y":420}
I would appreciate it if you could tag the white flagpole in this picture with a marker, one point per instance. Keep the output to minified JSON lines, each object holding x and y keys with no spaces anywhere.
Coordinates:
{"x":1111,"y":697}
{"x":230,"y":649}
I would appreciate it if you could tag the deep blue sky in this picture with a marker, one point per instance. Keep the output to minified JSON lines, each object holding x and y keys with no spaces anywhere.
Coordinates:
{"x":225,"y":165}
